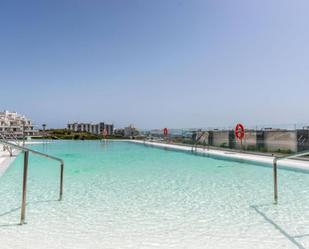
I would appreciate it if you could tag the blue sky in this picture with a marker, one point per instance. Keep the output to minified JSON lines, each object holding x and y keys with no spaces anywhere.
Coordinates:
{"x":156,"y":63}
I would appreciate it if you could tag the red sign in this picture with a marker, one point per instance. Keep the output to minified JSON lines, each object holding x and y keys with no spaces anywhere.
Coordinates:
{"x":239,"y":131}
{"x":165,"y":131}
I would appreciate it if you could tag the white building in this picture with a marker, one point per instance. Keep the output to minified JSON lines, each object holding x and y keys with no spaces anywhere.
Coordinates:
{"x":130,"y":131}
{"x":19,"y":125}
{"x":94,"y":128}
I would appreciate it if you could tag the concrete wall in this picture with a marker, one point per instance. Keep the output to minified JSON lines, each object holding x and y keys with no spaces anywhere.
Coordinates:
{"x":283,"y":140}
{"x":222,"y":138}
{"x":261,"y":140}
{"x":250,"y":141}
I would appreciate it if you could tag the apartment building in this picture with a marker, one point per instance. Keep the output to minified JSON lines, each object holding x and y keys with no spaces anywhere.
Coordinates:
{"x":93,"y":128}
{"x":19,"y":125}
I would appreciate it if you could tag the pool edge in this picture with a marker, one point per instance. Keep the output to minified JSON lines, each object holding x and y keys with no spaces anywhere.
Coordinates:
{"x":264,"y":160}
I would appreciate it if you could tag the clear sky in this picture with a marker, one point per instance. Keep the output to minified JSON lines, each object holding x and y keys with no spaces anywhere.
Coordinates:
{"x":156,"y":63}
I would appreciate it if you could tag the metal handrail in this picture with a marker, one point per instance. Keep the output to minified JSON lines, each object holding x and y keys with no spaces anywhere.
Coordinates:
{"x":26,"y":159}
{"x":14,"y":138}
{"x":275,"y":168}
{"x":9,"y":136}
{"x":31,"y":150}
{"x":5,"y":147}
{"x":197,"y":141}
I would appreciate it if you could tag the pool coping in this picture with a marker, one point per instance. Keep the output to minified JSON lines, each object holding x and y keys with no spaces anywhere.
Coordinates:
{"x":6,"y":160}
{"x":264,"y":160}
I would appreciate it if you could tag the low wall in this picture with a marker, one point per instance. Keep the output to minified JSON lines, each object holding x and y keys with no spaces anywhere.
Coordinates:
{"x":222,"y":139}
{"x":250,"y":141}
{"x":284,"y":141}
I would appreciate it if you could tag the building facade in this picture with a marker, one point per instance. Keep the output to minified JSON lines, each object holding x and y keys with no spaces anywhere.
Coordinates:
{"x":130,"y":131}
{"x":93,"y":128}
{"x":17,"y":124}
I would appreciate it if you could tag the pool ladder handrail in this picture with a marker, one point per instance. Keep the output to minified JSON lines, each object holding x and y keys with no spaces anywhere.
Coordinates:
{"x":194,"y":146}
{"x":25,"y":173}
{"x":275,"y":168}
{"x":14,"y":138}
{"x":5,"y":147}
{"x":9,"y":137}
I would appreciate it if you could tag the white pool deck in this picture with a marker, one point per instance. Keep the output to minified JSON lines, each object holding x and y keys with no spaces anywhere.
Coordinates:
{"x":233,"y":155}
{"x":5,"y":160}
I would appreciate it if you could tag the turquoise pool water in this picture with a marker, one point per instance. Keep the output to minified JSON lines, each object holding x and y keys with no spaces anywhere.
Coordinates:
{"x":124,"y":195}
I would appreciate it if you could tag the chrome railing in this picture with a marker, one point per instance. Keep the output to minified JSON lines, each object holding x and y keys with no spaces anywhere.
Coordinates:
{"x":10,"y":136}
{"x":275,"y":169}
{"x":5,"y":147}
{"x":194,"y":146}
{"x":26,"y":152}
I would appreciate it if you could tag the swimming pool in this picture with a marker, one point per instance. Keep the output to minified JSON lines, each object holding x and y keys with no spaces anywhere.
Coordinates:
{"x":125,"y":195}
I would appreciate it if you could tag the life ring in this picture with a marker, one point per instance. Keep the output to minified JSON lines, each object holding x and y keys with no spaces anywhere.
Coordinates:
{"x":165,"y":131}
{"x":239,"y":131}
